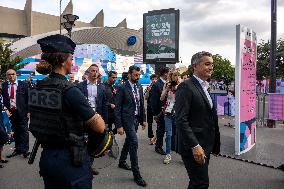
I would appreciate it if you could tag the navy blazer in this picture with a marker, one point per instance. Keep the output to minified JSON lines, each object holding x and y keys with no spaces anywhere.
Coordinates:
{"x":125,"y":107}
{"x":101,"y":100}
{"x":196,"y":121}
{"x":21,"y":97}
{"x":155,"y":102}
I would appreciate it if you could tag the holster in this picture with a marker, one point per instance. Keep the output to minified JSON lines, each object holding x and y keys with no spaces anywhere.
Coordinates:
{"x":78,"y":150}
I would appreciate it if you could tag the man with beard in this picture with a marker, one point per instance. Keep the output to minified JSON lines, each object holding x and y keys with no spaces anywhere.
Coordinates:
{"x":129,"y":113}
{"x":110,"y":93}
{"x":95,"y":93}
{"x":157,"y":109}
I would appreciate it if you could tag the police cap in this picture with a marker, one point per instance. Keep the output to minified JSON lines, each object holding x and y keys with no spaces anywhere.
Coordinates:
{"x":56,"y":43}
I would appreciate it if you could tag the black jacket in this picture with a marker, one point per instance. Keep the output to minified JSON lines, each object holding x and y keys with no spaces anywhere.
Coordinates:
{"x":110,"y":99}
{"x":196,"y":121}
{"x":125,"y":106}
{"x":156,"y":92}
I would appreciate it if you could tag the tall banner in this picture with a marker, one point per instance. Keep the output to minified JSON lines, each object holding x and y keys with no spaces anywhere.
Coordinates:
{"x":245,"y":70}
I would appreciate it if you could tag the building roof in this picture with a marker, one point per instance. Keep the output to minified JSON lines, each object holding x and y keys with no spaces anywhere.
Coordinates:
{"x":114,"y":37}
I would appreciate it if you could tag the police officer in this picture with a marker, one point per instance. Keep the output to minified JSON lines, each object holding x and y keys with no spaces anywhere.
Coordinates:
{"x":60,"y":116}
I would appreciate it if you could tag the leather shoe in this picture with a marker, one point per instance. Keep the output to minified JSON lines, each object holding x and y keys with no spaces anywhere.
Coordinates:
{"x":160,"y":151}
{"x":124,"y":165}
{"x":4,"y":161}
{"x":26,"y":154}
{"x":95,"y":171}
{"x":140,"y":182}
{"x":13,"y":154}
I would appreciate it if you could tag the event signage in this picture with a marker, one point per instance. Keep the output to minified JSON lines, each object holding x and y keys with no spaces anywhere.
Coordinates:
{"x":245,"y":72}
{"x":276,"y":106}
{"x":161,"y":36}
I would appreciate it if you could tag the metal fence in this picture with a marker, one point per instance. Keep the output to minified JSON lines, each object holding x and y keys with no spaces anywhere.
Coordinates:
{"x":262,"y":110}
{"x":262,"y":107}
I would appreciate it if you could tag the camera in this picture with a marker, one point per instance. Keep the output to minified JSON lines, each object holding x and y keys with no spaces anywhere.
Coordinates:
{"x":173,"y":83}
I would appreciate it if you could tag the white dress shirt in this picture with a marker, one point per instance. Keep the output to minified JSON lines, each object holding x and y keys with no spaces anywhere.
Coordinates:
{"x":13,"y":101}
{"x":137,"y":95}
{"x":205,"y":86}
{"x":92,"y":93}
{"x":164,"y":81}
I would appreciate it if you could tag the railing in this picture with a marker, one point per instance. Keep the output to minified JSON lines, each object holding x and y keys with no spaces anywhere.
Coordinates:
{"x":225,"y":106}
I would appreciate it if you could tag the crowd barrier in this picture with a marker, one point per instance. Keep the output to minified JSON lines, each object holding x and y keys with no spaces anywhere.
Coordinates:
{"x":268,"y":106}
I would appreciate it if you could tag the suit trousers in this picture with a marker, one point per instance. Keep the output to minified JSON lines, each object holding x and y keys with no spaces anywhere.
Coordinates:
{"x":160,"y":132}
{"x":150,"y":121}
{"x":131,"y":146}
{"x":198,"y":174}
{"x":21,"y":133}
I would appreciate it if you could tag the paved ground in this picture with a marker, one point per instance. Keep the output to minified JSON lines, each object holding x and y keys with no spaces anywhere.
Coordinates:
{"x":269,"y":148}
{"x":224,"y":173}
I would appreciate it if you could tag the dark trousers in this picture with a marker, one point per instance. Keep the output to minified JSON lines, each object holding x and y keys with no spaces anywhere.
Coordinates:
{"x":21,"y":133}
{"x":150,"y":121}
{"x":198,"y":174}
{"x":58,"y":172}
{"x":131,"y":146}
{"x":160,"y":132}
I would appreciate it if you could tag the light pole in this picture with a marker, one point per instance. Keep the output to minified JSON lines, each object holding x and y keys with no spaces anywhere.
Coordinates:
{"x":272,"y":82}
{"x":69,"y":23}
{"x":272,"y":79}
{"x":60,"y":16}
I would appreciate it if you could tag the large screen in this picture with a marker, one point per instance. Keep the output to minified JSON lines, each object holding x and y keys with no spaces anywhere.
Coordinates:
{"x":161,"y":36}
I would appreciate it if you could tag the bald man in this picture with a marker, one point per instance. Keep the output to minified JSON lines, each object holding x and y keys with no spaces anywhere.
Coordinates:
{"x":15,"y":99}
{"x":71,"y":78}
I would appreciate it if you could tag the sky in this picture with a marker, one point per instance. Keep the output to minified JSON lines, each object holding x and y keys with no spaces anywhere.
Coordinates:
{"x":208,"y":25}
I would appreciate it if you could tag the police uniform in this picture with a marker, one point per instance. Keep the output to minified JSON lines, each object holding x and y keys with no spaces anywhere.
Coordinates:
{"x":58,"y":111}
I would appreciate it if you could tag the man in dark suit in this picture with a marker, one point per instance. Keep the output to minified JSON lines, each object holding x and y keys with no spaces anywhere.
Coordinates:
{"x":197,"y":122}
{"x":129,"y":113}
{"x":15,"y":99}
{"x":110,"y":93}
{"x":156,"y":105}
{"x":96,"y":94}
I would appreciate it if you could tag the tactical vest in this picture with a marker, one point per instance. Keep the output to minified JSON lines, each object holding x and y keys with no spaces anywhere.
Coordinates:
{"x":50,"y":121}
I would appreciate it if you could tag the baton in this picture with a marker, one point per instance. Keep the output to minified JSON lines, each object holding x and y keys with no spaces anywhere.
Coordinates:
{"x":34,"y":151}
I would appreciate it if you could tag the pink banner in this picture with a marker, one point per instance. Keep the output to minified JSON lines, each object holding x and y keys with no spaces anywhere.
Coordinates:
{"x":276,"y":107}
{"x":245,"y":89}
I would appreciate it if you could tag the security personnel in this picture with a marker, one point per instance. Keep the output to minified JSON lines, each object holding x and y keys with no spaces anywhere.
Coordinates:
{"x":60,"y":116}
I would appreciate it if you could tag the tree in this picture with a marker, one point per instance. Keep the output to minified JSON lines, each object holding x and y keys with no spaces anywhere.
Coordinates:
{"x":6,"y":61}
{"x":222,"y":69}
{"x":263,"y":59}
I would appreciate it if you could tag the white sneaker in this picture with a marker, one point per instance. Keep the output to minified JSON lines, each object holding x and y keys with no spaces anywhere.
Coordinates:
{"x":167,"y":159}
